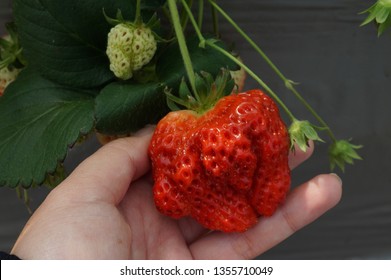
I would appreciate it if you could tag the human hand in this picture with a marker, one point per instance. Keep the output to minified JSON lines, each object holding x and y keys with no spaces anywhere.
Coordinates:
{"x":94,"y":214}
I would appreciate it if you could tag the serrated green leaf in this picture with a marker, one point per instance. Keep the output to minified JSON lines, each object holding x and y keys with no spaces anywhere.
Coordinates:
{"x":122,"y":108}
{"x":170,"y":68}
{"x":66,"y":40}
{"x":39,"y":120}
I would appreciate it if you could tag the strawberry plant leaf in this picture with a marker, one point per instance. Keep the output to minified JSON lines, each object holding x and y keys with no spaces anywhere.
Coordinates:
{"x":69,"y":50}
{"x":122,"y":108}
{"x":170,"y":68}
{"x":39,"y":120}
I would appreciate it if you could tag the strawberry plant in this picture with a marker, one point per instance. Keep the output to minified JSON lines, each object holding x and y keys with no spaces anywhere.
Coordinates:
{"x":112,"y":67}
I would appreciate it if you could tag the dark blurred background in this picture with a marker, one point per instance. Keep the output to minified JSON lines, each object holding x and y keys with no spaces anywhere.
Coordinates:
{"x":344,"y":72}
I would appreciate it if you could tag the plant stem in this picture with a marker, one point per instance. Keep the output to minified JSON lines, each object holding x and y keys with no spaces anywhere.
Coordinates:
{"x":200,"y":13}
{"x":138,"y":19}
{"x":197,"y":29}
{"x":182,"y":44}
{"x":184,"y":17}
{"x":215,"y":22}
{"x":255,"y":77}
{"x":210,"y":43}
{"x":286,"y":81}
{"x":313,"y":112}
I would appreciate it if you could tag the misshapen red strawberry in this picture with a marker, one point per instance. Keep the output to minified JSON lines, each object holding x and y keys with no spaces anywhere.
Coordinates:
{"x":224,"y":168}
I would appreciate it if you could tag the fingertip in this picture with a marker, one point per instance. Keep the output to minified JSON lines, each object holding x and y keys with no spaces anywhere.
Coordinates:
{"x":334,"y":182}
{"x":311,"y":200}
{"x":146,"y":131}
{"x":325,"y":191}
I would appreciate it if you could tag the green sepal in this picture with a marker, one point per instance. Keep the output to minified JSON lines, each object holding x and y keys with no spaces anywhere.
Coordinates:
{"x":39,"y":121}
{"x":301,"y":132}
{"x":10,"y":49}
{"x":119,"y":18}
{"x":209,"y":91}
{"x":380,"y":14}
{"x":342,"y":152}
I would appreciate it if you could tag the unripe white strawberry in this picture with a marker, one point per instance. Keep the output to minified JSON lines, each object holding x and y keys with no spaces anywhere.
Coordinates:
{"x":129,"y":48}
{"x":7,"y":76}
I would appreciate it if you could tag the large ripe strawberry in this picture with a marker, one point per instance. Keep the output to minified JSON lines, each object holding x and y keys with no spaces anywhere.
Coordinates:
{"x":224,"y":167}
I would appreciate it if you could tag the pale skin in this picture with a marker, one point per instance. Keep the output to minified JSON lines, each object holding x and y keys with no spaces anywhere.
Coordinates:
{"x":105,"y":210}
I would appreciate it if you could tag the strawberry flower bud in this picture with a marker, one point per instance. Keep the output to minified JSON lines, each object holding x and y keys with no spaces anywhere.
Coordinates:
{"x":301,"y":132}
{"x":341,"y":152}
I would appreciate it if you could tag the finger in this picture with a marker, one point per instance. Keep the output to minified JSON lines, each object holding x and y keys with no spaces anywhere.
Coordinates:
{"x":106,"y":175}
{"x":305,"y":204}
{"x":297,"y":155}
{"x":192,"y":230}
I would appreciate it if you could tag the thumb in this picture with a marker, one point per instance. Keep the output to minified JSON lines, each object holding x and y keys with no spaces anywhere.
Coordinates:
{"x":107,"y":174}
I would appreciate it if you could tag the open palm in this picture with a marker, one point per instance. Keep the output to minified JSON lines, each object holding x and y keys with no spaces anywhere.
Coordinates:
{"x":94,"y":214}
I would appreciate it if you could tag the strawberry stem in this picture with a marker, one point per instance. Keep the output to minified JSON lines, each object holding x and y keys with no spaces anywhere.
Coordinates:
{"x":200,"y":13}
{"x":182,"y":44}
{"x":300,"y":131}
{"x":184,"y":16}
{"x":212,"y":44}
{"x":196,"y":26}
{"x":255,"y":77}
{"x":215,"y":19}
{"x":289,"y":84}
{"x":138,"y":19}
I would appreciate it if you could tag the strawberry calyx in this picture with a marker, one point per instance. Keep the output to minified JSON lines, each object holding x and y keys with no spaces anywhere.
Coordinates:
{"x":380,"y":14}
{"x":301,"y":132}
{"x":342,"y":152}
{"x":10,"y":50}
{"x":208,"y":90}
{"x":11,"y":58}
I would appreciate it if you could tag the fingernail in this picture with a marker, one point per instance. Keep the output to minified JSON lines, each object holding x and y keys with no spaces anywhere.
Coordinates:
{"x":336,"y":176}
